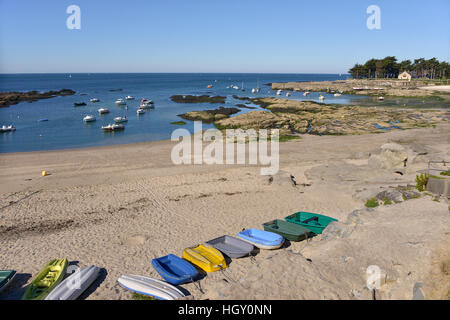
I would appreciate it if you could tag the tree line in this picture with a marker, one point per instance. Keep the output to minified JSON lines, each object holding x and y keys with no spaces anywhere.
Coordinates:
{"x":390,"y":68}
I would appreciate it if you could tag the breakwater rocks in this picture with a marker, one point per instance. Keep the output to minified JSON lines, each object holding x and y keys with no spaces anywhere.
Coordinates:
{"x":293,"y":117}
{"x":10,"y":98}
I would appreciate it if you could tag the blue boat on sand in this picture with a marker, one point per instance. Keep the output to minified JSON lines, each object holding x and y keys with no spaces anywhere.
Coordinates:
{"x":262,"y":239}
{"x":174,"y":269}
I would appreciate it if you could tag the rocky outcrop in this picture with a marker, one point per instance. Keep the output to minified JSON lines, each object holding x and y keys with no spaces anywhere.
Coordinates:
{"x":208,"y":116}
{"x":293,"y":117}
{"x":197,"y":99}
{"x":10,"y":98}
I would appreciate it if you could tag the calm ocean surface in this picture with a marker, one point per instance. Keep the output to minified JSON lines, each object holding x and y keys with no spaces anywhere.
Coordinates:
{"x":66,"y":129}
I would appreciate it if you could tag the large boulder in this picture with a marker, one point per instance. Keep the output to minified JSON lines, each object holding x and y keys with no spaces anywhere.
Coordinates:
{"x":392,"y":156}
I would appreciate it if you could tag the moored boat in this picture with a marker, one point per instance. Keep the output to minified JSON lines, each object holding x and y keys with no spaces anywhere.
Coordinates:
{"x":89,"y":118}
{"x":103,"y":110}
{"x":140,"y":111}
{"x":146,"y":104}
{"x":120,"y":101}
{"x":7,"y":128}
{"x":129,"y":98}
{"x":113,"y":127}
{"x":94,"y":100}
{"x":120,"y":119}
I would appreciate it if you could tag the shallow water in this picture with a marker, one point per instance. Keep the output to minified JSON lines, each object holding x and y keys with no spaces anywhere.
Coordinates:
{"x":65,"y":128}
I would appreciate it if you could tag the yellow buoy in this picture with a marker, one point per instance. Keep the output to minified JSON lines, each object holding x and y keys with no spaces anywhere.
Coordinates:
{"x":44,"y":173}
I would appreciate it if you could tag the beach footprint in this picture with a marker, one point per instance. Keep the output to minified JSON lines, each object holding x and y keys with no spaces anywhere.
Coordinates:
{"x":134,"y":240}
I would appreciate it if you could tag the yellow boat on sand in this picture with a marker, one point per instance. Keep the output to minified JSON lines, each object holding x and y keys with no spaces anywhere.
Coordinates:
{"x":205,"y":257}
{"x":49,"y":277}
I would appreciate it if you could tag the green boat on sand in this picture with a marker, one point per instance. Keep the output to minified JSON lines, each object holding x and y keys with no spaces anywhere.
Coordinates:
{"x":312,"y":221}
{"x":288,"y":230}
{"x":49,"y":277}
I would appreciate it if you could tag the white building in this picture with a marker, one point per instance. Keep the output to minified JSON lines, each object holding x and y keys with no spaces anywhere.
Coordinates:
{"x":404,"y":76}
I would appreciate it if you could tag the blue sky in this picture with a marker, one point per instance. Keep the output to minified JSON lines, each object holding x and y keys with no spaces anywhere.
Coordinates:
{"x":321,"y":36}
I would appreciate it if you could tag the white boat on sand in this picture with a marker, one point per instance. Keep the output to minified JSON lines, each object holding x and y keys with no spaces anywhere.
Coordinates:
{"x":158,"y":289}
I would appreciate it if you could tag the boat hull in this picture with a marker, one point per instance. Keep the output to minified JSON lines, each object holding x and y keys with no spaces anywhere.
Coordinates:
{"x":73,"y":286}
{"x":312,"y":221}
{"x":158,"y":289}
{"x":232,"y":247}
{"x":262,"y":239}
{"x":205,"y":257}
{"x":47,"y":279}
{"x":6,"y":276}
{"x":174,"y":269}
{"x":288,"y":230}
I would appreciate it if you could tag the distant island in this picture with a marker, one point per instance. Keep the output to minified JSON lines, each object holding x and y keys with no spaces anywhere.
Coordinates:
{"x":10,"y":98}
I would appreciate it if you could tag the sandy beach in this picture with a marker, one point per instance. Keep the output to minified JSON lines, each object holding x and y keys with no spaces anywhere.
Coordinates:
{"x":118,"y":207}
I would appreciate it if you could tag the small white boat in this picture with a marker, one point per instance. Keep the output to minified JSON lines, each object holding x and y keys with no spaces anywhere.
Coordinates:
{"x":306,"y":93}
{"x":279,"y":92}
{"x":120,"y":101}
{"x":321,"y":97}
{"x":113,"y":127}
{"x":337,"y":94}
{"x":89,"y":118}
{"x":158,"y":289}
{"x":140,"y":111}
{"x":146,"y":104}
{"x":380,"y":98}
{"x":129,"y":98}
{"x":120,"y":119}
{"x":253,"y":90}
{"x":288,"y":94}
{"x":103,"y":110}
{"x":74,"y":285}
{"x":94,"y":100}
{"x":7,"y":128}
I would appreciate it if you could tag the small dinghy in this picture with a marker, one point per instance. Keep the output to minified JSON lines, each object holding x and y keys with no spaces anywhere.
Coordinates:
{"x":288,"y":230}
{"x":94,"y":100}
{"x":232,"y":247}
{"x":140,"y":111}
{"x":262,"y":239}
{"x":205,"y":257}
{"x":74,"y":285}
{"x":312,"y":221}
{"x":174,"y":269}
{"x":129,"y":98}
{"x":158,"y":289}
{"x":6,"y":276}
{"x":46,"y":280}
{"x":79,"y":104}
{"x":120,"y":101}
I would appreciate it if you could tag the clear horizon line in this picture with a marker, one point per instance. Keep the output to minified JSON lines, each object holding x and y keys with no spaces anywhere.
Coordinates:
{"x":14,"y":73}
